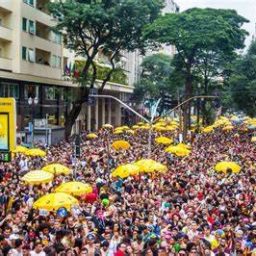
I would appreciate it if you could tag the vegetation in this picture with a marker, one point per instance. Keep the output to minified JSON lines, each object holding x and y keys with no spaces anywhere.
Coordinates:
{"x":106,"y":27}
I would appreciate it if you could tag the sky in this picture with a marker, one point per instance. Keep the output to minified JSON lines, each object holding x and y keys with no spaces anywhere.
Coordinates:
{"x":246,"y":8}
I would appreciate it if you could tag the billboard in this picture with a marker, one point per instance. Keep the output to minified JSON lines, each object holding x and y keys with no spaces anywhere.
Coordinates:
{"x":7,"y":127}
{"x":4,"y":133}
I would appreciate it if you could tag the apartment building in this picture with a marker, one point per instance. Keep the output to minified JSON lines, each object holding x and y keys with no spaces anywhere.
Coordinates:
{"x":32,"y":63}
{"x":135,"y":58}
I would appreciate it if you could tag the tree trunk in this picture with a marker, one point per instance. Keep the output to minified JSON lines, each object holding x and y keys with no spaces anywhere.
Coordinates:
{"x":71,"y":118}
{"x":75,"y":111}
{"x":186,"y":112}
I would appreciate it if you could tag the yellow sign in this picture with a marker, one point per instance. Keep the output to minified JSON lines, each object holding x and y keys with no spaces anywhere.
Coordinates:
{"x":7,"y":124}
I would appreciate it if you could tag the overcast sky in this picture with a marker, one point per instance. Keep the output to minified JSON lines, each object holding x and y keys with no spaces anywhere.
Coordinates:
{"x":246,"y":8}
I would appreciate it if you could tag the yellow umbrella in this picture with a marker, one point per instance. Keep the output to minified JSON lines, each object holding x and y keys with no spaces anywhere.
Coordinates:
{"x":149,"y":165}
{"x":35,"y":152}
{"x":163,"y":140}
{"x":253,"y":139}
{"x":57,"y":169}
{"x":225,"y":165}
{"x":178,"y":151}
{"x":135,"y":127}
{"x":109,"y":126}
{"x":20,"y":149}
{"x":208,"y":129}
{"x":118,"y":131}
{"x":130,"y":131}
{"x":74,"y":188}
{"x":121,"y":144}
{"x":183,"y":145}
{"x":54,"y":201}
{"x":228,"y":128}
{"x":124,"y":171}
{"x":37,"y":177}
{"x":91,"y":136}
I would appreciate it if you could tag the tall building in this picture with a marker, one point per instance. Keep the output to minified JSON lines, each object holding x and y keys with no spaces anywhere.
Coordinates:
{"x":32,"y":63}
{"x":135,"y":59}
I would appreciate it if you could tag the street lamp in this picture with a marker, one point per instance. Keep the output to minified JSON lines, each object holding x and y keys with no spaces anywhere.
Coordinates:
{"x":198,"y":106}
{"x":32,"y":102}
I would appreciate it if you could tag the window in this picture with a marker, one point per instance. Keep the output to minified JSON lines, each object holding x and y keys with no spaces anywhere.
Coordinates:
{"x":56,"y":37}
{"x":56,"y":61}
{"x":32,"y":27}
{"x":31,"y":91}
{"x":9,"y":90}
{"x":31,"y":55}
{"x":50,"y":93}
{"x":24,"y":53}
{"x":24,"y":24}
{"x":30,"y":2}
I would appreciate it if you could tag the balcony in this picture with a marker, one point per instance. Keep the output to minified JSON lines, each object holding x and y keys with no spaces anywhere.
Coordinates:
{"x":5,"y":64}
{"x":41,"y":5}
{"x":40,"y":70}
{"x":6,"y":5}
{"x":5,"y":34}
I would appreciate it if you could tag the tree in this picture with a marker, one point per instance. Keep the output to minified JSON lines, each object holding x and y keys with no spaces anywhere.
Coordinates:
{"x":243,"y":82}
{"x":155,"y":76}
{"x":195,"y":33}
{"x":108,"y":27}
{"x":157,"y":80}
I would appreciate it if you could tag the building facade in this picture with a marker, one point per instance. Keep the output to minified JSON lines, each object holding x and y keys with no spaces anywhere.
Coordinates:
{"x":32,"y":63}
{"x":135,"y":58}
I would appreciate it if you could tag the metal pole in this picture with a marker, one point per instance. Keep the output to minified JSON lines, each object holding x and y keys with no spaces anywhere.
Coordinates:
{"x":150,"y":122}
{"x":154,"y":111}
{"x":122,"y":103}
{"x":33,"y":123}
{"x":184,"y":102}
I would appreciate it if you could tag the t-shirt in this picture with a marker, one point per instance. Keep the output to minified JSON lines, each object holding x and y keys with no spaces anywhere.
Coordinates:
{"x":33,"y":253}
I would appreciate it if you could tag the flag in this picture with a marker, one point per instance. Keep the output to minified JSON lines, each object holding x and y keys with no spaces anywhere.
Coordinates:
{"x":67,"y":69}
{"x":75,"y":72}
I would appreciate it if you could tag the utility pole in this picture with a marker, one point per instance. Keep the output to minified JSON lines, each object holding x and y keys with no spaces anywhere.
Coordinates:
{"x":150,"y":122}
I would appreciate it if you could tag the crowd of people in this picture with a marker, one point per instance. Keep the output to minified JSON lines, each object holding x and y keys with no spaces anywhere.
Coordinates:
{"x":189,"y":210}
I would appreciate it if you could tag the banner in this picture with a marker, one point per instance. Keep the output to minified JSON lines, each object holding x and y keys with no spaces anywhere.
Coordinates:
{"x":4,"y":134}
{"x":7,"y":124}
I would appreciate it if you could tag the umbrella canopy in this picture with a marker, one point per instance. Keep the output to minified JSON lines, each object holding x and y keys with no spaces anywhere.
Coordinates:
{"x":74,"y":188}
{"x":36,"y":152}
{"x":149,"y":165}
{"x":20,"y":149}
{"x":37,"y":177}
{"x":91,"y":136}
{"x":121,"y":144}
{"x":54,"y":201}
{"x":109,"y":126}
{"x":178,"y":151}
{"x":163,"y":140}
{"x":208,"y":129}
{"x":124,"y":171}
{"x":253,"y":139}
{"x":225,"y":166}
{"x":57,"y":169}
{"x":118,"y":131}
{"x":228,"y":128}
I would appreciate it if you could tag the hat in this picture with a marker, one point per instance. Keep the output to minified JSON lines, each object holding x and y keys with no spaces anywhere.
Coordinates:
{"x":90,"y":236}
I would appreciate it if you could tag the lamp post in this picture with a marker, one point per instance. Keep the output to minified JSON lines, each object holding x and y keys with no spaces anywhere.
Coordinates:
{"x":150,"y":122}
{"x":32,"y":102}
{"x":198,"y":106}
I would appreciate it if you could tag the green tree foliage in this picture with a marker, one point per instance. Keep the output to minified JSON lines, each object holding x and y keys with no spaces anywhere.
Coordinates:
{"x":155,"y":77}
{"x":105,"y":26}
{"x":198,"y":35}
{"x":243,"y":83}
